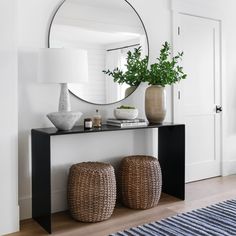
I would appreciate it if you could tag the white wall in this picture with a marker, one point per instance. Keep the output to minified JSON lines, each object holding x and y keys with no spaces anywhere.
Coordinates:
{"x":9,"y":211}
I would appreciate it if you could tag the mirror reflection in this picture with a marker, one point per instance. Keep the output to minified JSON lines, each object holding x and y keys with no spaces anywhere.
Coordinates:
{"x":107,"y":30}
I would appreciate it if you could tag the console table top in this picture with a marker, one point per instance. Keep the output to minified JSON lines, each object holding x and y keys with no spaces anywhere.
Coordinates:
{"x":80,"y":129}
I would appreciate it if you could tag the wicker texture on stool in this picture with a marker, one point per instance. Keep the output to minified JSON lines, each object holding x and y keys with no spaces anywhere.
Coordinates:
{"x":91,"y":191}
{"x":141,"y":181}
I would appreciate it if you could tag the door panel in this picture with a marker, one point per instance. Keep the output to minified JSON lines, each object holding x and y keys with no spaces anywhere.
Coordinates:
{"x":196,"y":97}
{"x":200,"y":150}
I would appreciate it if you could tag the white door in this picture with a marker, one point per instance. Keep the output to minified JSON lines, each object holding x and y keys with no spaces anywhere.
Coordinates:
{"x":196,"y":98}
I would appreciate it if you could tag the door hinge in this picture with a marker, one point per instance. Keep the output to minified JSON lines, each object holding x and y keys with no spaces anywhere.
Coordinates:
{"x":179,"y":95}
{"x":178,"y":30}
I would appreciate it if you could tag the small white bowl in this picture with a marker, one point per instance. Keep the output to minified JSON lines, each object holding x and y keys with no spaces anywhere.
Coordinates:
{"x":125,"y":114}
{"x":64,"y":120}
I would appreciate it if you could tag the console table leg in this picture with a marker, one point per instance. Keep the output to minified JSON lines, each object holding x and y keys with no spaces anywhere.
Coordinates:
{"x":171,"y":155}
{"x":41,"y":180}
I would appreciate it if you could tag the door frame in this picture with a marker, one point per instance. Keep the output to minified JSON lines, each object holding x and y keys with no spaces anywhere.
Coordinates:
{"x":203,"y":11}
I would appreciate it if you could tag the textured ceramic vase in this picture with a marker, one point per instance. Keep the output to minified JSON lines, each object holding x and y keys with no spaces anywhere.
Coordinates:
{"x":130,"y":90}
{"x":155,"y":104}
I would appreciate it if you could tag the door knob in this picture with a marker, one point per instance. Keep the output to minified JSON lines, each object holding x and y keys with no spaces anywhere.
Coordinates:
{"x":218,"y":108}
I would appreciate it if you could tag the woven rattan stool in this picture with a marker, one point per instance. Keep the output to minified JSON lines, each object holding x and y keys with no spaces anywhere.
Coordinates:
{"x":141,"y":181}
{"x":91,"y":191}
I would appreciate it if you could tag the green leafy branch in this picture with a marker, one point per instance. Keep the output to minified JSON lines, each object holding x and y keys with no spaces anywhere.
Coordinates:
{"x":136,"y":69}
{"x":166,"y":70}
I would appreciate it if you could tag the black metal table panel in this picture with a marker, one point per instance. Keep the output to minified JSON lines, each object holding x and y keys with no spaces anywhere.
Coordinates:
{"x":171,"y":155}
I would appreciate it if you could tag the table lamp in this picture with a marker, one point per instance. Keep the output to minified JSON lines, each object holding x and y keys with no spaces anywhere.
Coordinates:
{"x":63,"y":65}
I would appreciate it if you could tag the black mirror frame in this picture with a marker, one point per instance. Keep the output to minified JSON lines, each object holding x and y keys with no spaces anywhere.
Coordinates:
{"x":49,"y":33}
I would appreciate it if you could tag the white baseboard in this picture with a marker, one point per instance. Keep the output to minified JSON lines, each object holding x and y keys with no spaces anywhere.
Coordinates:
{"x":25,"y":208}
{"x":59,"y":203}
{"x":10,"y":224}
{"x":228,"y":167}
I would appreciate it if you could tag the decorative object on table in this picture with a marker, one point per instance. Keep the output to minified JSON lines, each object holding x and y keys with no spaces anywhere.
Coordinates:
{"x":97,"y":120}
{"x":140,"y":181}
{"x":127,"y":123}
{"x":126,"y":112}
{"x":91,"y":191}
{"x":165,"y":71}
{"x":155,"y":103}
{"x":217,"y":219}
{"x":64,"y":120}
{"x":135,"y":71}
{"x":60,"y":65}
{"x":88,"y":123}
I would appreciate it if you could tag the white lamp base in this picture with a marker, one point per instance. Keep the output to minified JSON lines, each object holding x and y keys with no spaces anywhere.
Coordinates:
{"x":64,"y":119}
{"x":64,"y":101}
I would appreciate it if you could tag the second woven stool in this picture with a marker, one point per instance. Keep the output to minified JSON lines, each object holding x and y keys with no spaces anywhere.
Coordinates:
{"x":91,"y":191}
{"x":141,"y":181}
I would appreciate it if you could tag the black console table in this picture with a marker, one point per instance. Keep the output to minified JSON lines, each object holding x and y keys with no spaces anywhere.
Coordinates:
{"x":171,"y":155}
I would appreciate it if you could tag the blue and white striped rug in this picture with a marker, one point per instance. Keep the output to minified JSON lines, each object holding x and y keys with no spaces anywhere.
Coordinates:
{"x":215,"y":220}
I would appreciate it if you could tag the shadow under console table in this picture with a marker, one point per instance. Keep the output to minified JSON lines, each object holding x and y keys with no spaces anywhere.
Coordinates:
{"x":171,"y":155}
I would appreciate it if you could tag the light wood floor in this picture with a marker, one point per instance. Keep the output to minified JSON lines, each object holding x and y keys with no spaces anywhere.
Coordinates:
{"x":198,"y":194}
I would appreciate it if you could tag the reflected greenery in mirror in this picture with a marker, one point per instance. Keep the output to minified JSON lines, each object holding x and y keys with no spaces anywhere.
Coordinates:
{"x":107,"y":30}
{"x":135,"y":69}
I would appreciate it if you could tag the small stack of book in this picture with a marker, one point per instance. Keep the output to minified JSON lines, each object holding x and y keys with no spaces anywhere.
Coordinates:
{"x":127,"y":123}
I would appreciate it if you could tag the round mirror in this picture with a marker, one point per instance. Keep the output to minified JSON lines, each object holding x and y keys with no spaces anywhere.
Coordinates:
{"x":107,"y":30}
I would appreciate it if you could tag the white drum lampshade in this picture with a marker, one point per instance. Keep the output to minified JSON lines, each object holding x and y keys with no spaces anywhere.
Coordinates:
{"x":63,"y":65}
